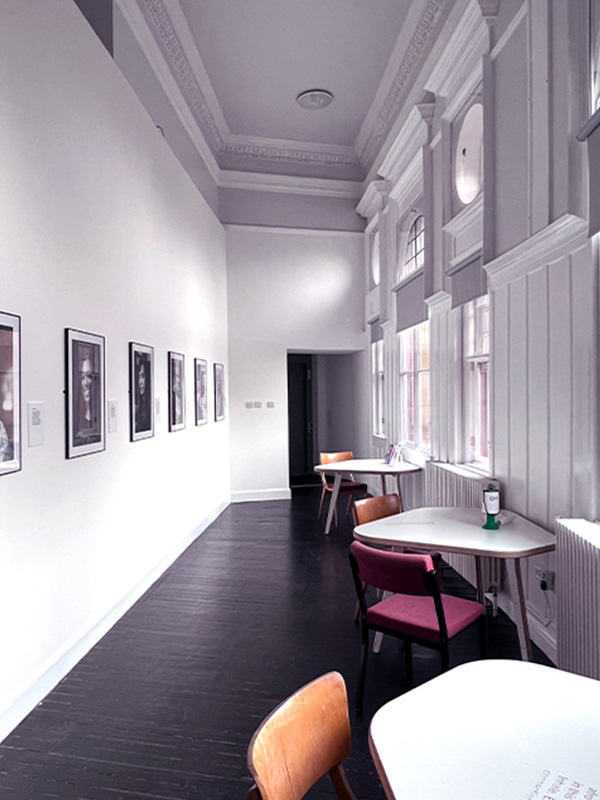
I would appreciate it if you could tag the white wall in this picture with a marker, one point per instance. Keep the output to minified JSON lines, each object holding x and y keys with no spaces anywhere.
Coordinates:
{"x":287,"y":290}
{"x":100,"y":229}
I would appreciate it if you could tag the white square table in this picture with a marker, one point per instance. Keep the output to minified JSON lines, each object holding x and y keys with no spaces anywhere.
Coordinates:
{"x":540,"y":741}
{"x":459,"y":530}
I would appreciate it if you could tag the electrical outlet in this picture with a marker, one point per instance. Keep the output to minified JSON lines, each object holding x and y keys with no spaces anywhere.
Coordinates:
{"x":546,"y":578}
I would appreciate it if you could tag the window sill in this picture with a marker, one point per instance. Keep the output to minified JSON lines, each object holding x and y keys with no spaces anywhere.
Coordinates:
{"x":466,"y":470}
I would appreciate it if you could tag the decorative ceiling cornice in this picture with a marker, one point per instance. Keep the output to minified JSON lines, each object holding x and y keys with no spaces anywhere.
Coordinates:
{"x":396,"y":95}
{"x":163,"y":27}
{"x":221,"y":141}
{"x":187,"y":67}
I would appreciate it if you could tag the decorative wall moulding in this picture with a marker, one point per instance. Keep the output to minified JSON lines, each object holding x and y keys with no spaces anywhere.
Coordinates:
{"x":553,"y":242}
{"x":284,"y":184}
{"x":464,"y":259}
{"x":462,"y":57}
{"x":438,"y":303}
{"x":373,"y":200}
{"x":409,"y":186}
{"x":466,"y":218}
{"x":408,"y":142}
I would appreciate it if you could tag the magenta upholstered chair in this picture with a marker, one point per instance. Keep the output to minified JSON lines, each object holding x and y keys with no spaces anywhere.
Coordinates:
{"x":416,"y":611}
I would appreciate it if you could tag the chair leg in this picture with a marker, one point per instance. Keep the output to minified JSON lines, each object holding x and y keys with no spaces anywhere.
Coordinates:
{"x":321,"y":503}
{"x":363,"y":669}
{"x":445,"y":658}
{"x":408,"y":660}
{"x":483,"y":635}
{"x":349,"y":504}
{"x":357,"y":609}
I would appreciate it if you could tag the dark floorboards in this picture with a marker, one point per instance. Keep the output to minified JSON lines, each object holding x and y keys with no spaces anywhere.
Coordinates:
{"x":164,"y":706}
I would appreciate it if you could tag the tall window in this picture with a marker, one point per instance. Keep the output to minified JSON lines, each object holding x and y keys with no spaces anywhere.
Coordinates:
{"x":414,"y":255}
{"x":414,"y":386}
{"x":476,"y":358}
{"x":377,"y":378}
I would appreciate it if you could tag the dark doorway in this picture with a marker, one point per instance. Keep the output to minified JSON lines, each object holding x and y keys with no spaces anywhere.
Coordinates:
{"x":300,"y":420}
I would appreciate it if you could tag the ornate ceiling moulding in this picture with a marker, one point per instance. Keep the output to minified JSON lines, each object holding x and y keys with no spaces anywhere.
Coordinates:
{"x":222,"y":142}
{"x":396,"y":96}
{"x":298,"y":155}
{"x":156,"y":13}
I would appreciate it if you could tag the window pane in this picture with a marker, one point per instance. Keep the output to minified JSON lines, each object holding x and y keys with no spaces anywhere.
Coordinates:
{"x":424,"y":418}
{"x":408,"y":410}
{"x":415,"y":248}
{"x":424,"y":345}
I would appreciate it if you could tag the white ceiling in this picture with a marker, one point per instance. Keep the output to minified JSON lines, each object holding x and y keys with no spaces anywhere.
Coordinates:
{"x":240,"y":64}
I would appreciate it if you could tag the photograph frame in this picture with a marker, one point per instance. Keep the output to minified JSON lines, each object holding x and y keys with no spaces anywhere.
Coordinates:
{"x":201,"y":390}
{"x":219,"y":381}
{"x":177,"y":397}
{"x":10,"y":393}
{"x":141,"y":391}
{"x":85,"y":392}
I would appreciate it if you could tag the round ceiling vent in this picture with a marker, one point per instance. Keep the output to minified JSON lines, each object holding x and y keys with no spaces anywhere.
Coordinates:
{"x":314,"y":99}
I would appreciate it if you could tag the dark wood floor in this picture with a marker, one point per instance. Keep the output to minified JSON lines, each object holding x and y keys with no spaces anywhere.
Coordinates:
{"x":164,"y":706}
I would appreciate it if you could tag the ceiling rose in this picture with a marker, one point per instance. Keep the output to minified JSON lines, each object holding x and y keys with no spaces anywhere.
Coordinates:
{"x":314,"y":99}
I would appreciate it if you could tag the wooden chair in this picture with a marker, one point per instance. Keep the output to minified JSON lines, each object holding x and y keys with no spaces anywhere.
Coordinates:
{"x":372,"y":508}
{"x":305,"y":737}
{"x":416,"y":611}
{"x":348,"y":486}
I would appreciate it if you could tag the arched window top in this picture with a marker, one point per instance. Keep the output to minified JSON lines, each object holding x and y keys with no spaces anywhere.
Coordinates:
{"x":414,"y":256}
{"x":468,"y":163}
{"x":375,"y":259}
{"x":411,"y":247}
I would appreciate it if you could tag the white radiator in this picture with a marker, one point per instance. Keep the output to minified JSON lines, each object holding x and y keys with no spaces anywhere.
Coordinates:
{"x":578,"y":596}
{"x":449,"y":485}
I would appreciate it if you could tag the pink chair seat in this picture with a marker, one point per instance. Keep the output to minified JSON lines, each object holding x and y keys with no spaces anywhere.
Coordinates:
{"x":415,"y":615}
{"x":415,"y":609}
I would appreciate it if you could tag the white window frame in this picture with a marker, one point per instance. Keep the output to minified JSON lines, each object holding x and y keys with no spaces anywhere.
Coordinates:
{"x":414,"y":251}
{"x":476,"y":384}
{"x":377,"y":388}
{"x":414,"y":379}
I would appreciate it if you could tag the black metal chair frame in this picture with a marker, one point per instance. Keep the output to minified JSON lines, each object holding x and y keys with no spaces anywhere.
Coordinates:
{"x":433,"y":587}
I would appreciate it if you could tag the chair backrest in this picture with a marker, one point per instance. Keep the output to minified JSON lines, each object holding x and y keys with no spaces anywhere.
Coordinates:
{"x":305,"y":737}
{"x":372,"y":508}
{"x":330,"y":458}
{"x":395,"y":572}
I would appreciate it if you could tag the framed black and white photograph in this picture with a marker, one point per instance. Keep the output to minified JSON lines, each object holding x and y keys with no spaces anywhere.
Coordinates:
{"x":201,"y":394}
{"x":85,"y":382}
{"x":141,"y":391}
{"x":219,"y":371}
{"x":10,"y":393}
{"x":176,"y":391}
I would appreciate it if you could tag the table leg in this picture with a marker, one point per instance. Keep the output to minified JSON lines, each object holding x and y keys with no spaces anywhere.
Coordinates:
{"x":337,"y":482}
{"x":479,"y":579}
{"x":513,"y":569}
{"x":399,"y":491}
{"x":383,"y":485}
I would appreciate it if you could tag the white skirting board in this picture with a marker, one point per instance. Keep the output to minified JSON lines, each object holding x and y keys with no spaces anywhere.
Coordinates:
{"x":82,"y":642}
{"x":256,"y":495}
